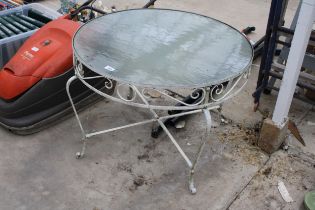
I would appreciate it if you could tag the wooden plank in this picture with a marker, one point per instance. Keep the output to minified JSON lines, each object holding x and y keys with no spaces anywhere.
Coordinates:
{"x":303,"y":75}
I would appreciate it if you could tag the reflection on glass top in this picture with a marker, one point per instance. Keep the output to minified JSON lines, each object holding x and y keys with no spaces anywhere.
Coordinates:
{"x":162,"y":48}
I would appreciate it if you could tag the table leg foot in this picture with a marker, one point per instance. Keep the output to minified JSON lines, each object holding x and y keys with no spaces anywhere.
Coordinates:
{"x":80,"y":155}
{"x":191,"y":184}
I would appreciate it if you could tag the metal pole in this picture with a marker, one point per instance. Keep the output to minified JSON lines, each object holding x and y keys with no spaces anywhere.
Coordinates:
{"x":268,"y":55}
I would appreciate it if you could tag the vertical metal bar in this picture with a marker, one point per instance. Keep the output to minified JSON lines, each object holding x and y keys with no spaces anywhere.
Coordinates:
{"x":72,"y":104}
{"x":269,"y":47}
{"x":281,"y":59}
{"x":191,"y":183}
{"x":267,"y":40}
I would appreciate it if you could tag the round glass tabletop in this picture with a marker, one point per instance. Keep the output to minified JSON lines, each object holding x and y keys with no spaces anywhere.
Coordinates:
{"x":162,"y":48}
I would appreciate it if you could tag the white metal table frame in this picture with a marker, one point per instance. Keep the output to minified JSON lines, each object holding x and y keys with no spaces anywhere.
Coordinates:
{"x":212,"y":97}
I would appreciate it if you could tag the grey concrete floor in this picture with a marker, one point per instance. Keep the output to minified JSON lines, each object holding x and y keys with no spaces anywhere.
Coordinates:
{"x":130,"y":170}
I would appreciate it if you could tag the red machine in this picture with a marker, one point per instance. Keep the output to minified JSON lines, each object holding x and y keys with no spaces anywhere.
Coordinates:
{"x":51,"y":44}
{"x":33,"y":83}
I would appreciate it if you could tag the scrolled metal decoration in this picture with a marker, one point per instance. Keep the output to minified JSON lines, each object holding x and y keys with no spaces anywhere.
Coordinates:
{"x":208,"y":96}
{"x":197,"y":93}
{"x":216,"y":90}
{"x":109,"y":84}
{"x":221,"y":91}
{"x":127,"y":98}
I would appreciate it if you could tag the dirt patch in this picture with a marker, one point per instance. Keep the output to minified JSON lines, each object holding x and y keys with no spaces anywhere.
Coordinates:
{"x":138,"y":181}
{"x":151,"y":145}
{"x":124,"y":166}
{"x":247,"y":133}
{"x":262,"y":192}
{"x":244,"y":139}
{"x":144,"y":156}
{"x":267,"y":171}
{"x":290,"y":170}
{"x":149,"y":151}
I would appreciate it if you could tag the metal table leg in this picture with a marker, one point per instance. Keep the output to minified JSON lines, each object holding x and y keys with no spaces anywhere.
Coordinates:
{"x":191,"y":165}
{"x":159,"y":120}
{"x":78,"y":154}
{"x":192,"y":187}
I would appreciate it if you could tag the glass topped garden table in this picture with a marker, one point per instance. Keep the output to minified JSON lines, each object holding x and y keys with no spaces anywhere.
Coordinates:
{"x":163,"y":52}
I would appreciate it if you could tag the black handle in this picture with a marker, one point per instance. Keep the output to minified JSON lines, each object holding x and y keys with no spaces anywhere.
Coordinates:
{"x":248,"y":30}
{"x":150,"y":3}
{"x":75,"y":13}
